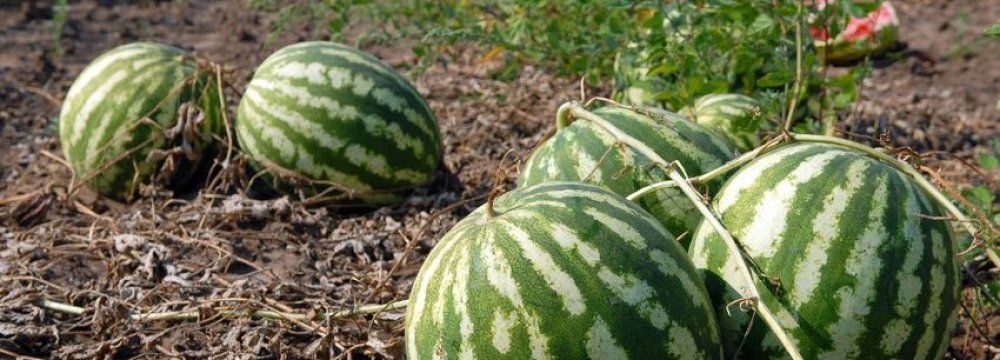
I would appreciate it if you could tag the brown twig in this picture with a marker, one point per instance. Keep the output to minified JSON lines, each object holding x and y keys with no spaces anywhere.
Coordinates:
{"x":17,"y":356}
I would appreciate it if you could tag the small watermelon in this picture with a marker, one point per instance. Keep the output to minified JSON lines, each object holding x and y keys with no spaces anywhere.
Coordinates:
{"x":133,"y":108}
{"x":333,"y":116}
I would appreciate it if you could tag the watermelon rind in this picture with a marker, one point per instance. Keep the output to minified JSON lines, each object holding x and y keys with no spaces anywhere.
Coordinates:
{"x":561,"y":271}
{"x":859,"y":261}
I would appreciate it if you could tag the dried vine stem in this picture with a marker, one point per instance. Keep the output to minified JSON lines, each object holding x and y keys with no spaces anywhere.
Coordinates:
{"x":752,"y":294}
{"x":256,"y":314}
{"x":709,"y":176}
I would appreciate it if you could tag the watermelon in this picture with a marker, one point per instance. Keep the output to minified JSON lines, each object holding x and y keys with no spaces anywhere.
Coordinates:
{"x":735,"y":116}
{"x":560,"y":270}
{"x":583,"y":151}
{"x":111,"y":120}
{"x":333,"y":116}
{"x":857,"y":266}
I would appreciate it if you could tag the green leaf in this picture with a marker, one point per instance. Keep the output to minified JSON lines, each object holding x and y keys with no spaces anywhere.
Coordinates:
{"x":988,"y":161}
{"x":663,"y":69}
{"x":980,"y":196}
{"x":775,"y":79}
{"x":993,"y":30}
{"x":761,"y":24}
{"x":993,"y":288}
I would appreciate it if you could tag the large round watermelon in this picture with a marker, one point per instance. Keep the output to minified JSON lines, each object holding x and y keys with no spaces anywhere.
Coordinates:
{"x":584,"y":152}
{"x":331,"y":115}
{"x":859,"y":263}
{"x":133,"y":108}
{"x":562,"y":271}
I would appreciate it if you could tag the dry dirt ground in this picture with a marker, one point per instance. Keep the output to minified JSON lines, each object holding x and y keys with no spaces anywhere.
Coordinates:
{"x":222,"y":250}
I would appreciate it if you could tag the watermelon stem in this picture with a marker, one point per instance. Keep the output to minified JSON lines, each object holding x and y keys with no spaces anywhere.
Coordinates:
{"x":490,"y":212}
{"x":563,"y":118}
{"x":498,"y":179}
{"x":573,"y":108}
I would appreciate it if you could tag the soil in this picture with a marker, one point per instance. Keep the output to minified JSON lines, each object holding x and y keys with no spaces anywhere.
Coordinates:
{"x":216,"y":250}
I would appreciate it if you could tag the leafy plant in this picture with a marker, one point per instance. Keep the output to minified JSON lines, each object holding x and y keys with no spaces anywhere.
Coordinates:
{"x":648,"y":52}
{"x":983,"y":196}
{"x":308,"y":12}
{"x":698,"y":48}
{"x":59,"y":9}
{"x":993,"y":30}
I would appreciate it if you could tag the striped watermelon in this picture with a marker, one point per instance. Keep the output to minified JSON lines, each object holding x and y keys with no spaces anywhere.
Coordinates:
{"x":564,"y":270}
{"x":736,"y":116}
{"x":583,"y":151}
{"x":864,"y":273}
{"x":101,"y":126}
{"x":338,"y":117}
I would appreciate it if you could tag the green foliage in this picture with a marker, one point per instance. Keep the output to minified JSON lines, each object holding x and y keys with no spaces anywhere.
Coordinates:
{"x":306,"y":12}
{"x":993,"y":30}
{"x":983,"y":196}
{"x":667,"y":53}
{"x":698,"y":48}
{"x":59,"y":8}
{"x":567,"y":37}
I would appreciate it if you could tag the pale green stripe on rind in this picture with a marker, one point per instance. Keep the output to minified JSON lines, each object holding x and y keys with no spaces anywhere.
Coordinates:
{"x":864,"y":269}
{"x":585,"y":152}
{"x":545,"y":280}
{"x":334,"y":113}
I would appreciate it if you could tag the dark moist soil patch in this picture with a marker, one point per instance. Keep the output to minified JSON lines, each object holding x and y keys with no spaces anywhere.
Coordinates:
{"x":189,"y":252}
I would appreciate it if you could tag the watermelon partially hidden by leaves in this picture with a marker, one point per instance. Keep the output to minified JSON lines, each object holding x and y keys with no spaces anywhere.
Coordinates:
{"x":141,"y":111}
{"x":321,"y":115}
{"x":856,"y":260}
{"x":738,"y":117}
{"x":560,"y":271}
{"x":584,"y":152}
